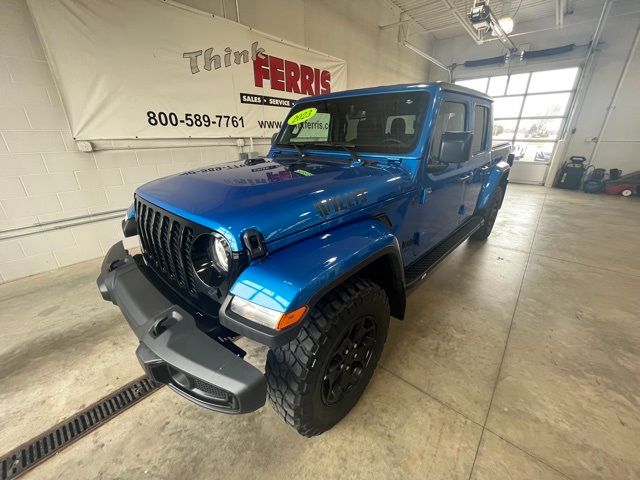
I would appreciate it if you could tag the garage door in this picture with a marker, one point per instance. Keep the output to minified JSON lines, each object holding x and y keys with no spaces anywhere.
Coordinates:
{"x":530,"y":110}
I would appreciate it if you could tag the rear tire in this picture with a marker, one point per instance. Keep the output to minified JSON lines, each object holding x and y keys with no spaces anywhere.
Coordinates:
{"x":489,"y":213}
{"x":317,"y":378}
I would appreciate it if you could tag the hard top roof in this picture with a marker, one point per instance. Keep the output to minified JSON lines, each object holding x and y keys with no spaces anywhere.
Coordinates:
{"x":400,"y":88}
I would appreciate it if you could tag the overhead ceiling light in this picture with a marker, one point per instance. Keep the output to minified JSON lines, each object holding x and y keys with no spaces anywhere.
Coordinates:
{"x":506,"y":23}
{"x":484,"y":22}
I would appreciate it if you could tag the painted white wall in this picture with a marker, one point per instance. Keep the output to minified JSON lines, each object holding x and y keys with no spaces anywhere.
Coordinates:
{"x":344,"y":29}
{"x":43,"y":177}
{"x":622,"y":137}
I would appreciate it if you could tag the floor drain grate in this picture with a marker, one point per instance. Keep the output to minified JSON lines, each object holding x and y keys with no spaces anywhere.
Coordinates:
{"x":41,"y":447}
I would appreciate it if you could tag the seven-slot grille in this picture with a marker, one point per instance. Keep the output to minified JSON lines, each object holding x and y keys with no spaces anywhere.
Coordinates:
{"x":166,"y":243}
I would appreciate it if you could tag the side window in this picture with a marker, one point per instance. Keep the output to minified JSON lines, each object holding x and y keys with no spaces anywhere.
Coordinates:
{"x":480,"y":124}
{"x":452,"y":117}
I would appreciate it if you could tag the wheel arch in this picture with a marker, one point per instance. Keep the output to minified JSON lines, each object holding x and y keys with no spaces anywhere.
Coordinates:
{"x":384,"y":268}
{"x":387,"y":272}
{"x":498,"y":177}
{"x":303,"y":273}
{"x":504,"y":180}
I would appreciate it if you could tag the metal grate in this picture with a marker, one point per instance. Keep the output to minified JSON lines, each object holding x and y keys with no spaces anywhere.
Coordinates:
{"x":38,"y":449}
{"x":166,"y":243}
{"x":209,"y":389}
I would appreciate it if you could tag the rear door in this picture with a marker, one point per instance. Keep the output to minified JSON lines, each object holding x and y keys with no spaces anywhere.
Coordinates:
{"x":480,"y":160}
{"x":443,"y":189}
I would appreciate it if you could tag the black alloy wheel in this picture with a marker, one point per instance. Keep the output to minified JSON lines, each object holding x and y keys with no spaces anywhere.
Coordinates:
{"x":349,"y":360}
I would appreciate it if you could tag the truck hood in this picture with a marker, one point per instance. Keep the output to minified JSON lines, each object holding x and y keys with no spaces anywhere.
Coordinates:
{"x":275,"y":197}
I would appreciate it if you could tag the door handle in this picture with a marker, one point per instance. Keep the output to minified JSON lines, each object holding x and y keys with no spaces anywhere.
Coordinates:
{"x":424,"y":195}
{"x":464,"y":178}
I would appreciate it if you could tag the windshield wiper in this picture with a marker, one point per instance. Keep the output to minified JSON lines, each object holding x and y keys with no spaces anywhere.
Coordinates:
{"x":298,"y":146}
{"x":350,"y":149}
{"x":353,"y":151}
{"x":347,"y":147}
{"x":300,"y":150}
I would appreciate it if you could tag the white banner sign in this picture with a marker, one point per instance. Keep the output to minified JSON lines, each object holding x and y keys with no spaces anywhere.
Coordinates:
{"x":151,"y":69}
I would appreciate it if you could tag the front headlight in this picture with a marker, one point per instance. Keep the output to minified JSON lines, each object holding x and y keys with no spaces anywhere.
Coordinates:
{"x":211,"y":256}
{"x":219,"y":253}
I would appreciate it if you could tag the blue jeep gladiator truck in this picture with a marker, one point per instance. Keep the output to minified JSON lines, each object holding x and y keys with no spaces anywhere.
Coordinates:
{"x":308,"y":250}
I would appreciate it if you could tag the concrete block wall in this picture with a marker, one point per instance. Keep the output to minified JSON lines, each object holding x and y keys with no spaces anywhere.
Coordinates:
{"x":41,"y":187}
{"x":44,"y":178}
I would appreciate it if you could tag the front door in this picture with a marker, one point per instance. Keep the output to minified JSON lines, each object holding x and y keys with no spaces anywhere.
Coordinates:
{"x":442,"y":184}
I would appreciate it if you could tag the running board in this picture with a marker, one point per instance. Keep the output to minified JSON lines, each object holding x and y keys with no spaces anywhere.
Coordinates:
{"x":419,"y":269}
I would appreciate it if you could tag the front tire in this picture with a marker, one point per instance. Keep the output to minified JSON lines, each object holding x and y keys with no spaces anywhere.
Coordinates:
{"x":317,"y":378}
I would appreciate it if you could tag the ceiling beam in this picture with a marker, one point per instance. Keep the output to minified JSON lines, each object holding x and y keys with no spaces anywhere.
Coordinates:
{"x":463,"y":21}
{"x":409,"y":11}
{"x":395,"y":24}
{"x":409,"y":17}
{"x":426,"y":56}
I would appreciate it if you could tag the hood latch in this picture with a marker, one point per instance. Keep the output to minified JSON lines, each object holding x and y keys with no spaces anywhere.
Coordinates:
{"x":254,"y":242}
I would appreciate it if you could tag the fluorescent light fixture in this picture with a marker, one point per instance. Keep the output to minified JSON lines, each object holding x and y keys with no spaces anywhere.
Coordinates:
{"x":506,"y":23}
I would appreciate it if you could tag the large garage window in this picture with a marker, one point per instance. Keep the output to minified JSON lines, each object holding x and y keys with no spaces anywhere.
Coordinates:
{"x":529,"y":109}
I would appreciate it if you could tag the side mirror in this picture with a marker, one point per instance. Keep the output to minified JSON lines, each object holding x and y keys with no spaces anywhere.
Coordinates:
{"x":273,"y":137}
{"x":455,"y":147}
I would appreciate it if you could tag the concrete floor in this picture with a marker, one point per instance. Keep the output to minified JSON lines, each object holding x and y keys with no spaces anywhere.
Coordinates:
{"x":519,"y":358}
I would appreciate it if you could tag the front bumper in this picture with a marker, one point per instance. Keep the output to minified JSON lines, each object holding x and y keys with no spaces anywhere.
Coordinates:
{"x":173,"y":350}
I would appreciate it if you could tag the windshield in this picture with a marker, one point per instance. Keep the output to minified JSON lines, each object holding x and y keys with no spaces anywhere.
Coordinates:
{"x":383,"y":123}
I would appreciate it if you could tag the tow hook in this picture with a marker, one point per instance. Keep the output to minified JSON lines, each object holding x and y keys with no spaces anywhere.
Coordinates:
{"x":116,"y":264}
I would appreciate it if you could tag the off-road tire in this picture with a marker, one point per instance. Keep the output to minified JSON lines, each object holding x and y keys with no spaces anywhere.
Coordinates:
{"x":296,"y":372}
{"x":489,"y":213}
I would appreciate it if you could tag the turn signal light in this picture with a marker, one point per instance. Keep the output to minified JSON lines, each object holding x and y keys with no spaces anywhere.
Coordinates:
{"x":291,"y":318}
{"x":266,"y":316}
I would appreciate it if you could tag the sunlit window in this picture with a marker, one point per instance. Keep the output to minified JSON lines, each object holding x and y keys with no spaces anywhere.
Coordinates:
{"x":507,"y":107}
{"x":547,"y":105}
{"x":539,"y":128}
{"x":553,"y":80}
{"x":504,"y":129}
{"x":529,"y":109}
{"x":497,"y":85}
{"x":479,"y":84}
{"x":518,"y":84}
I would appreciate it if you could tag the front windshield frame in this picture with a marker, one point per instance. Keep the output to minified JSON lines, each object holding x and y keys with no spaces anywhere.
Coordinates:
{"x":415,"y":113}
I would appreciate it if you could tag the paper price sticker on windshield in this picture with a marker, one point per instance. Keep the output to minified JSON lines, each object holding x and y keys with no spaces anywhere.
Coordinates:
{"x":302,"y":116}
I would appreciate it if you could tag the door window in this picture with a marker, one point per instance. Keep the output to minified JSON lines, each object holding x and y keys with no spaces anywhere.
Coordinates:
{"x":451,"y":118}
{"x":480,"y":123}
